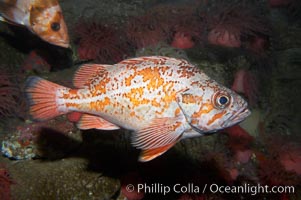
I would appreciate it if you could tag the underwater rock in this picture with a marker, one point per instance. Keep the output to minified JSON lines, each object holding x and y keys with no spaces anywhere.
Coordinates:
{"x":144,"y":31}
{"x":69,"y":178}
{"x":196,"y":148}
{"x":100,"y":42}
{"x":14,"y":150}
{"x":12,"y":102}
{"x":161,"y":49}
{"x":9,"y":54}
{"x":51,"y":139}
{"x":115,"y":11}
{"x":217,"y":71}
{"x":284,"y":94}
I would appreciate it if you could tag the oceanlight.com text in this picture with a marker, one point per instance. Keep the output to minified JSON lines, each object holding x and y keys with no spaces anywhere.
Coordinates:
{"x":158,"y":188}
{"x":251,"y":189}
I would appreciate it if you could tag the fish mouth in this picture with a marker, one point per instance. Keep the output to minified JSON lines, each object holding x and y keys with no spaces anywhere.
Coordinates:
{"x":62,"y":44}
{"x":241,"y":114}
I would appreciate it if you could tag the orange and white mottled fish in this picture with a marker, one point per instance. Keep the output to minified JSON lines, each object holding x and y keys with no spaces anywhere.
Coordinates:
{"x":163,"y":100}
{"x":42,"y":17}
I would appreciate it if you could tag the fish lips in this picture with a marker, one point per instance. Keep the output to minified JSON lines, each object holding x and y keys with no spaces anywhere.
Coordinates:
{"x":241,"y":114}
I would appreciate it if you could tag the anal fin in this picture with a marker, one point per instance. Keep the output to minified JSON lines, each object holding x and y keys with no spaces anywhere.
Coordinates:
{"x":91,"y":121}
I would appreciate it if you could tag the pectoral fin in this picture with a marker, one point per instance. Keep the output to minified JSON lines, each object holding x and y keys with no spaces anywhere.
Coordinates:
{"x":91,"y":121}
{"x":159,"y":136}
{"x":160,"y":132}
{"x":149,"y":154}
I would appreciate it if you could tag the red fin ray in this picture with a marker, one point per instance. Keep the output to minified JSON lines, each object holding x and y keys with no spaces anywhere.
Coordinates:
{"x":41,"y":95}
{"x":150,"y":154}
{"x":160,"y":132}
{"x":91,"y":121}
{"x":86,"y":73}
{"x":159,"y":60}
{"x":12,"y":14}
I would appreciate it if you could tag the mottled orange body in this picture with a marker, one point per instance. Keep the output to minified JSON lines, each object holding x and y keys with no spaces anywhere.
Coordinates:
{"x":163,"y":100}
{"x":42,"y":17}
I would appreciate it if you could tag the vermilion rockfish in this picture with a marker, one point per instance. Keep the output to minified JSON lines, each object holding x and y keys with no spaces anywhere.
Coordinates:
{"x":42,"y":17}
{"x":163,"y":100}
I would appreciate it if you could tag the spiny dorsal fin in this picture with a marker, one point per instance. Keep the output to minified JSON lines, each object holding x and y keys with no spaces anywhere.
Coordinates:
{"x":86,"y":73}
{"x":44,"y":3}
{"x":157,"y":60}
{"x":91,"y":121}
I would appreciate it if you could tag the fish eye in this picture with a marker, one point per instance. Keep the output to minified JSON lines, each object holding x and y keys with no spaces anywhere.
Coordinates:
{"x":55,"y":26}
{"x":221,"y":100}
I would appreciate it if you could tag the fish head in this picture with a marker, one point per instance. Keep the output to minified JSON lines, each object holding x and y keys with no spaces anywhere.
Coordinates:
{"x":48,"y":23}
{"x":216,"y":108}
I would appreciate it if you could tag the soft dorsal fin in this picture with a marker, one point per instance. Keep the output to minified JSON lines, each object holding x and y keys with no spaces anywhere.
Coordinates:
{"x":139,"y":60}
{"x":149,"y":154}
{"x":156,"y":60}
{"x":44,"y":3}
{"x":160,"y":132}
{"x":91,"y":121}
{"x":86,"y":73}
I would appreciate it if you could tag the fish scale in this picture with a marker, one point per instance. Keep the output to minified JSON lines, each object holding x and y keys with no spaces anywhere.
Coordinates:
{"x":152,"y":96}
{"x":162,"y":99}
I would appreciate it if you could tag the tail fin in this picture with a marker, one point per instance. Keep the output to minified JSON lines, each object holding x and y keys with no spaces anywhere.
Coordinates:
{"x":11,"y":14}
{"x":42,"y":98}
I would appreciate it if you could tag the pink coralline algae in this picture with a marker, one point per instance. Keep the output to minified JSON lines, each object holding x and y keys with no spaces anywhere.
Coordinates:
{"x":258,"y":44}
{"x":291,"y":161}
{"x":74,"y":116}
{"x":187,"y":29}
{"x":246,"y":83}
{"x":36,"y":61}
{"x":280,"y":165}
{"x":129,"y":183}
{"x":176,"y":25}
{"x":182,"y":40}
{"x":271,"y":172}
{"x":5,"y":183}
{"x":229,"y":24}
{"x":100,"y":42}
{"x":222,"y":37}
{"x":239,"y":143}
{"x":288,"y":152}
{"x":243,"y":156}
{"x":239,"y":139}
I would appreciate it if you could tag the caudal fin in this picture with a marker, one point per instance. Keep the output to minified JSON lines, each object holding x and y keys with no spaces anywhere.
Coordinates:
{"x":42,"y":98}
